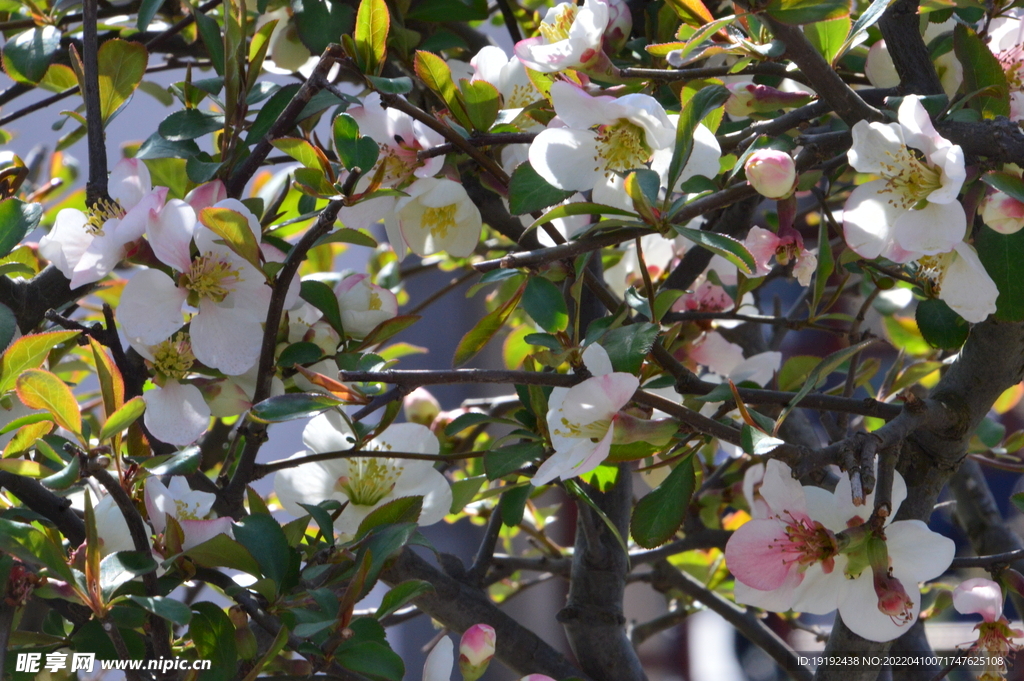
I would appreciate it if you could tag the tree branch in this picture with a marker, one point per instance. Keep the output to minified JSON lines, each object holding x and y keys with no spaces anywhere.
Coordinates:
{"x":96,"y":187}
{"x":47,"y":504}
{"x":901,"y":29}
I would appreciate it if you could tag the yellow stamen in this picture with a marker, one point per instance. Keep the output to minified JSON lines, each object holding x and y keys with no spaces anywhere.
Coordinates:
{"x":173,"y":358}
{"x":101,"y":211}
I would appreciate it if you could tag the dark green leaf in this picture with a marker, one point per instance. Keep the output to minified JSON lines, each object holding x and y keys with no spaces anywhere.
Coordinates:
{"x":223,"y":551}
{"x":544,"y":302}
{"x":347,"y":236}
{"x":65,"y":477}
{"x":501,"y":462}
{"x":214,"y":637}
{"x":477,"y":337}
{"x":1008,"y":183}
{"x":659,"y":514}
{"x":706,"y":100}
{"x":528,"y":191}
{"x":168,"y":608}
{"x":449,"y":10}
{"x":1001,"y":254}
{"x":374,"y":660}
{"x":729,"y":248}
{"x":121,"y":567}
{"x":323,"y":520}
{"x":628,"y":345}
{"x":32,"y":546}
{"x":401,"y":594}
{"x":156,"y":146}
{"x":512,"y":505}
{"x":147,"y":10}
{"x":188,"y":124}
{"x":392,"y":86}
{"x":28,"y":54}
{"x":17,"y":219}
{"x":292,"y":406}
{"x":982,"y":71}
{"x":303,"y":353}
{"x":184,"y":462}
{"x":321,"y":296}
{"x":400,"y":510}
{"x":940,"y":326}
{"x":265,"y":540}
{"x":269,"y":113}
{"x":209,"y":31}
{"x":482,"y":101}
{"x":818,"y":375}
{"x":320,"y":22}
{"x":807,"y":11}
{"x":354,"y":150}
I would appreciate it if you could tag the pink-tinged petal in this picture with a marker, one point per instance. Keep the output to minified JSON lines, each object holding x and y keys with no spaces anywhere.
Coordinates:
{"x":859,"y":609}
{"x":581,"y":111}
{"x":176,"y":413}
{"x":129,"y":181}
{"x":150,"y":307}
{"x":752,"y":480}
{"x":309,"y":483}
{"x":752,"y":558}
{"x":967,"y":287}
{"x":717,"y":354}
{"x":822,"y":506}
{"x":599,"y":397}
{"x":1001,"y":212}
{"x":537,"y":54}
{"x":874,"y":145}
{"x":536,"y":677}
{"x":596,"y":359}
{"x":979,"y":596}
{"x":762,"y":244}
{"x":328,"y":432}
{"x":198,"y":531}
{"x":562,"y":462}
{"x":918,"y":130}
{"x":935,"y":228}
{"x":67,"y":241}
{"x":102,"y":256}
{"x":868,"y":218}
{"x":594,"y":458}
{"x":951,"y":162}
{"x":170,"y":234}
{"x":759,"y":369}
{"x":781,"y":491}
{"x":440,"y":661}
{"x":227,"y":339}
{"x":206,"y":195}
{"x":917,"y":552}
{"x":567,"y":158}
{"x":775,"y":600}
{"x":136,"y":221}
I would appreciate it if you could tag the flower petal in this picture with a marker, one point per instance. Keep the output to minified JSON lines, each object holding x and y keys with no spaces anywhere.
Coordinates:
{"x":309,"y":483}
{"x":328,"y":432}
{"x":440,"y":661}
{"x":129,"y":181}
{"x":228,"y":339}
{"x":967,"y":287}
{"x":868,"y":218}
{"x":567,"y":158}
{"x":751,"y":557}
{"x":916,"y":551}
{"x":979,"y":596}
{"x":170,"y":234}
{"x":150,"y":307}
{"x":176,"y":414}
{"x":934,"y":228}
{"x":859,"y":609}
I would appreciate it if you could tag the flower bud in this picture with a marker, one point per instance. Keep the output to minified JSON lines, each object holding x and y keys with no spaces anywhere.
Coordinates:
{"x":620,"y":24}
{"x":748,"y":98}
{"x":536,"y":677}
{"x":364,"y":305}
{"x":421,"y":407}
{"x":1003,"y":213}
{"x":476,"y":651}
{"x":771,"y":173}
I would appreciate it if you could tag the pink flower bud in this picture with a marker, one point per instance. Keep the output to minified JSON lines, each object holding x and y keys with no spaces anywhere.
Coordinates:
{"x":620,"y":23}
{"x":747,"y":98}
{"x":536,"y":677}
{"x":1003,"y":213}
{"x":893,"y":599}
{"x":421,"y":407}
{"x":772,"y":173}
{"x":979,"y":596}
{"x":476,"y":651}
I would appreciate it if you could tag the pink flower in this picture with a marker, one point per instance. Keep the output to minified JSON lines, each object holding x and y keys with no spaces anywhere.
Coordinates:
{"x":979,"y":596}
{"x":476,"y":651}
{"x":995,"y":637}
{"x":1003,"y":213}
{"x":772,"y":173}
{"x":786,"y":246}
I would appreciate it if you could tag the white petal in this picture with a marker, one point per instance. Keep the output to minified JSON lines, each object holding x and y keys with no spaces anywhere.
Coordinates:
{"x":918,"y":130}
{"x":780,"y":490}
{"x":309,"y":483}
{"x":874,"y":145}
{"x":705,"y":157}
{"x":821,"y":593}
{"x":228,"y":339}
{"x":429,"y":483}
{"x":821,"y":506}
{"x":917,"y":552}
{"x":596,"y":359}
{"x":406,"y":437}
{"x":67,"y":241}
{"x":176,"y":414}
{"x":599,"y":397}
{"x":328,"y":432}
{"x":860,"y":612}
{"x":967,"y":287}
{"x":129,"y":181}
{"x":567,"y":158}
{"x":935,"y":228}
{"x":150,"y":307}
{"x":868,"y":218}
{"x":170,"y":234}
{"x":438,"y":666}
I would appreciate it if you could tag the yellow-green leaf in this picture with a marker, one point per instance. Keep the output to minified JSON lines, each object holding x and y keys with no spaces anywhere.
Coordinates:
{"x":477,"y":337}
{"x":123,"y":417}
{"x":121,"y":67}
{"x":303,"y":152}
{"x":30,"y":469}
{"x":39,"y":389}
{"x":233,"y":227}
{"x":436,"y":75}
{"x":28,"y":352}
{"x":371,"y":35}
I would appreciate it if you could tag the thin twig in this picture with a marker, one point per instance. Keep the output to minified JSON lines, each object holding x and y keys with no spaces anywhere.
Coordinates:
{"x":492,"y":140}
{"x":415,"y":378}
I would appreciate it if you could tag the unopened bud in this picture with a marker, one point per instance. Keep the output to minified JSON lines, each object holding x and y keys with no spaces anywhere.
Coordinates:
{"x":1003,"y":213}
{"x":747,"y":98}
{"x":893,"y":599}
{"x":771,"y":173}
{"x":476,"y":651}
{"x":323,"y":335}
{"x":421,"y":407}
{"x":620,"y":24}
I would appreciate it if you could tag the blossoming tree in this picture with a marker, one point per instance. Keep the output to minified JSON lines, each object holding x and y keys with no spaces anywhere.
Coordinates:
{"x":753,"y":267}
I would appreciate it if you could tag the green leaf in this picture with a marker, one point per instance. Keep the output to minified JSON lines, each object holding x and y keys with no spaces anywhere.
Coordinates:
{"x":323,"y":519}
{"x":28,"y":352}
{"x":436,"y":75}
{"x":866,"y":20}
{"x":17,"y":219}
{"x":482,"y":102}
{"x":628,"y":345}
{"x":371,"y":35}
{"x":449,"y":10}
{"x":147,"y":10}
{"x":401,"y":594}
{"x":940,"y":326}
{"x":292,"y":406}
{"x":1001,"y":255}
{"x":28,"y":54}
{"x":320,"y":22}
{"x":582,"y":208}
{"x":729,"y":248}
{"x":389,"y":328}
{"x":828,"y":37}
{"x":321,"y":296}
{"x":528,"y":191}
{"x":168,"y":608}
{"x":464,"y":490}
{"x":303,"y":152}
{"x":224,"y":552}
{"x":32,"y":546}
{"x":807,"y":11}
{"x":700,"y":105}
{"x":392,"y":86}
{"x":374,"y":660}
{"x":65,"y":477}
{"x":544,"y":302}
{"x":39,"y":389}
{"x":8,"y":325}
{"x":1008,"y":183}
{"x":213,"y":635}
{"x":184,"y":462}
{"x":500,"y":462}
{"x":269,"y":113}
{"x":122,"y":65}
{"x":121,"y":567}
{"x":234,"y":229}
{"x":347,"y":236}
{"x":209,"y":31}
{"x":484,"y":330}
{"x":354,"y":150}
{"x":123,"y":417}
{"x":512,"y":505}
{"x":265,"y":540}
{"x":818,"y":376}
{"x":189,"y":124}
{"x":660,"y":514}
{"x":400,"y":510}
{"x":982,"y":71}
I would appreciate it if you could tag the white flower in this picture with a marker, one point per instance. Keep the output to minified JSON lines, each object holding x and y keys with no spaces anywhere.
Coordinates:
{"x":111,"y":527}
{"x":86,"y":247}
{"x":189,"y":508}
{"x":437,"y":215}
{"x":364,"y":305}
{"x":570,"y":37}
{"x":364,"y":482}
{"x":226,"y":295}
{"x":604,"y":136}
{"x":508,"y":76}
{"x":582,"y":419}
{"x":726,"y":359}
{"x":912,"y":210}
{"x":176,"y":412}
{"x":789,"y":556}
{"x":658,"y":253}
{"x":962,"y":282}
{"x":439,"y":663}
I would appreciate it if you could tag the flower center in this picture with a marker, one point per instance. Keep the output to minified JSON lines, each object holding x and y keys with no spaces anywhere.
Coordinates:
{"x":594,"y":431}
{"x":369,"y":480}
{"x":909,"y":178}
{"x":374,"y":303}
{"x":399,"y":162}
{"x":440,"y":220}
{"x":183,"y":510}
{"x":1012,"y":61}
{"x":622,"y":146}
{"x":565,"y":14}
{"x":101,"y":211}
{"x":209,"y":277}
{"x":931,"y":269}
{"x":173,"y":358}
{"x":521,"y":96}
{"x":807,"y":542}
